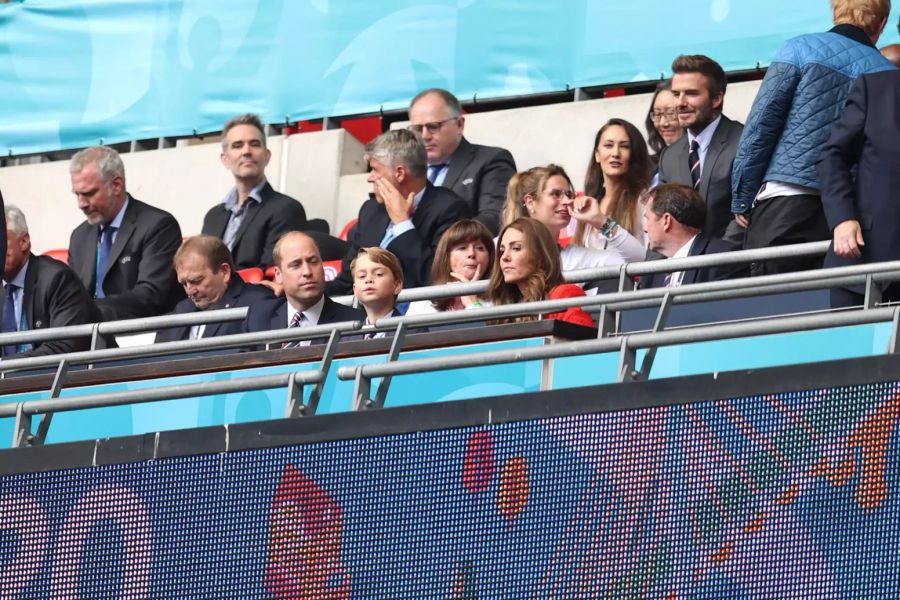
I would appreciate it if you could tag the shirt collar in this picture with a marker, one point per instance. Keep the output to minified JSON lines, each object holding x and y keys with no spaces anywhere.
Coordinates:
{"x":312,"y":313}
{"x":231,"y":199}
{"x":705,"y":136}
{"x":685,"y":250}
{"x":117,"y":222}
{"x":854,"y":33}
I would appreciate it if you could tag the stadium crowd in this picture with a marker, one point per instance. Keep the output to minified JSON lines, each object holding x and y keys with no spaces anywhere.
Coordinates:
{"x":818,"y":159}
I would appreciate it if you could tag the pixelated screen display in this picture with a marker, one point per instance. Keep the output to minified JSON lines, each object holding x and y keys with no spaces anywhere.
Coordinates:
{"x":781,"y":496}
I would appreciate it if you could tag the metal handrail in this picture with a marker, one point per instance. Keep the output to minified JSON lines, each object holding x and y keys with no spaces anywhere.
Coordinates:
{"x":224,"y":342}
{"x":635,"y":268}
{"x":626,"y":344}
{"x":779,"y":283}
{"x":23,"y":411}
{"x":125,"y":326}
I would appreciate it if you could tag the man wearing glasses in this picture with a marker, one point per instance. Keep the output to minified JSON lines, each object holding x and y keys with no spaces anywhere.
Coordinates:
{"x":478,"y":174}
{"x":776,"y":192}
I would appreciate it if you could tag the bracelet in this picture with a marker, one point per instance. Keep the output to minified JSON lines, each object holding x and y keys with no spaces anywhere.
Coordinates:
{"x":608,"y":227}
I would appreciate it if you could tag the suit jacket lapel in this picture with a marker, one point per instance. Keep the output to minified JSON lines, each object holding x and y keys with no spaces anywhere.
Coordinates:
{"x":697,"y":248}
{"x":279,"y":317}
{"x":88,"y":251}
{"x":682,"y":157}
{"x":29,"y":292}
{"x":459,"y":160}
{"x":716,"y":146}
{"x":229,"y":299}
{"x":125,"y":232}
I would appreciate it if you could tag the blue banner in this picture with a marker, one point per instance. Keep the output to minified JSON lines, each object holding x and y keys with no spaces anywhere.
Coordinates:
{"x":74,"y":74}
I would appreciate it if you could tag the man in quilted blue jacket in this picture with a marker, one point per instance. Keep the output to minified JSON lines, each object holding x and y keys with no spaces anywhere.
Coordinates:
{"x":775,"y":190}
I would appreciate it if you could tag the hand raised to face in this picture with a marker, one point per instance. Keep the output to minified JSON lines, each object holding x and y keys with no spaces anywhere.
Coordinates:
{"x":586,"y":209}
{"x":398,"y":208}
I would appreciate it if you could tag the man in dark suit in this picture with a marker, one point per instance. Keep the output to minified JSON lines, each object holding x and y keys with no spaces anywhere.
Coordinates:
{"x":478,"y":174}
{"x":408,"y":214}
{"x":858,"y":170}
{"x":40,"y":292}
{"x":123,"y":251}
{"x":703,"y":158}
{"x":299,"y":270}
{"x":205,"y":270}
{"x":673,"y":218}
{"x":252,"y":216}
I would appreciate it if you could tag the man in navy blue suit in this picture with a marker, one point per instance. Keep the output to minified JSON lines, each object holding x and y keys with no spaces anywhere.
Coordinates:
{"x":859,"y":168}
{"x":299,"y":269}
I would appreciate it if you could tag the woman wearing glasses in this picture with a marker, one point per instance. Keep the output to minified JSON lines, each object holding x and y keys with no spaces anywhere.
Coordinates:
{"x":546,"y":194}
{"x":608,"y":216}
{"x":662,"y":120}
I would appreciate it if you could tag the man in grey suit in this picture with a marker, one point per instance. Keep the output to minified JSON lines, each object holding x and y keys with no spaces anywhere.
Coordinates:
{"x":478,"y":174}
{"x":123,"y":251}
{"x":703,"y":158}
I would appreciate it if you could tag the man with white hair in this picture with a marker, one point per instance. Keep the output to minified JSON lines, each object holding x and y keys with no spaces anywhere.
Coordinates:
{"x":40,"y":292}
{"x":406,"y":214}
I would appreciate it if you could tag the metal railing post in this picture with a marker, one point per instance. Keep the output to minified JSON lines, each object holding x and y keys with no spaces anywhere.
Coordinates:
{"x":362,"y":391}
{"x":295,"y":406}
{"x":22,"y":427}
{"x":58,"y":381}
{"x":660,"y":324}
{"x":627,"y":359}
{"x":873,"y":293}
{"x":894,"y":342}
{"x":327,"y":358}
{"x":393,"y":355}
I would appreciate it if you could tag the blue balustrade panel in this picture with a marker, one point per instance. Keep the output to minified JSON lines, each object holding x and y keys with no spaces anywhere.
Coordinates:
{"x":690,"y":359}
{"x":75,"y":73}
{"x":789,"y":495}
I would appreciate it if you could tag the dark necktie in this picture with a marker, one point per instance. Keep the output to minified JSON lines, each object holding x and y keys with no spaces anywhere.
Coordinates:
{"x":104,"y":249}
{"x":9,"y":316}
{"x":296,"y":321}
{"x":434,"y":171}
{"x":694,"y":164}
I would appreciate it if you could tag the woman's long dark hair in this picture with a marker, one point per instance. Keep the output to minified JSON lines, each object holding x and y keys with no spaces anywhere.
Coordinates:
{"x":637,"y":179}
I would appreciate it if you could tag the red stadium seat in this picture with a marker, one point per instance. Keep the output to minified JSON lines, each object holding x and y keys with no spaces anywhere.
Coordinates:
{"x":346,"y":230}
{"x":332,"y":269}
{"x":364,"y":129}
{"x":60,"y":254}
{"x":270,"y":273}
{"x":251,"y":275}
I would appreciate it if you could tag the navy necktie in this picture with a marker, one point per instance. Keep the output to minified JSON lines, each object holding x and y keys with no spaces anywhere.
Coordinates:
{"x":434,"y":171}
{"x":694,"y":164}
{"x":104,"y":249}
{"x":9,"y":316}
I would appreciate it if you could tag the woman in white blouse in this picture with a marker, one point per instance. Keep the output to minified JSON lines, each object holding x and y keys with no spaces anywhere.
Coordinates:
{"x":608,"y":216}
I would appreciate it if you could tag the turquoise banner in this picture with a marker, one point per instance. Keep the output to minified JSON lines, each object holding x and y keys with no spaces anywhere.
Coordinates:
{"x":77,"y":73}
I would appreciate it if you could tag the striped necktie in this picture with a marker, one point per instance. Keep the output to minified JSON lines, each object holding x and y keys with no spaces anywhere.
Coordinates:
{"x":694,"y":164}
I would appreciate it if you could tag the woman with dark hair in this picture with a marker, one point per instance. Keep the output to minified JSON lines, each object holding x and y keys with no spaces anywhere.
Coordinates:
{"x":528,"y":269}
{"x":662,"y":124}
{"x":546,"y":194}
{"x":608,"y":216}
{"x":464,"y":253}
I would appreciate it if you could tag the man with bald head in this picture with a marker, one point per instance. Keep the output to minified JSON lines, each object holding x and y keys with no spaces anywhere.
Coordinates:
{"x":205,"y":270}
{"x":477,"y":174}
{"x":123,"y":251}
{"x":299,"y":270}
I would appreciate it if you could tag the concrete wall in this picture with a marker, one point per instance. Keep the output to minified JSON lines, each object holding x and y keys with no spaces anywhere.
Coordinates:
{"x":187,"y":181}
{"x":324,"y":170}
